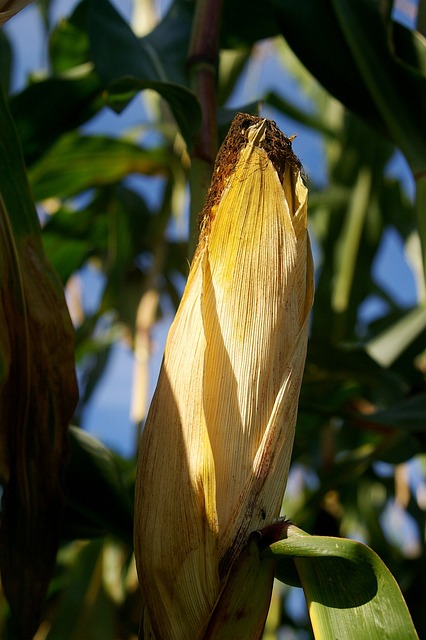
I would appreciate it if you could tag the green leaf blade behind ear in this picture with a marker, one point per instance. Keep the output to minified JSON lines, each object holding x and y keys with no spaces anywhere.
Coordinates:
{"x":351,"y":595}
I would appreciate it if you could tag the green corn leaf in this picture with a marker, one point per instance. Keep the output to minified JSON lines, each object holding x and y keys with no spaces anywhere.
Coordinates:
{"x":398,"y":93}
{"x":351,"y":595}
{"x":98,"y":501}
{"x":346,"y":45}
{"x":409,"y":48}
{"x":409,"y":414}
{"x":244,"y":23}
{"x":129,"y":64}
{"x":391,"y":343}
{"x":76,"y":163}
{"x":5,"y":61}
{"x":69,"y":45}
{"x":48,"y":108}
{"x":85,"y":609}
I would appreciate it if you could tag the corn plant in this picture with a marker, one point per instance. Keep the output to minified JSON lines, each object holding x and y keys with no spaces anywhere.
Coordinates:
{"x":200,"y":534}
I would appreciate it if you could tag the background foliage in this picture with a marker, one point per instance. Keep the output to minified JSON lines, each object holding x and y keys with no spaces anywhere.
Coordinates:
{"x":115,"y":204}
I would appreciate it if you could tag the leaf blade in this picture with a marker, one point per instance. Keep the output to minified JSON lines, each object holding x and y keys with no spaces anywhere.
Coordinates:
{"x":38,"y":393}
{"x":350,"y":593}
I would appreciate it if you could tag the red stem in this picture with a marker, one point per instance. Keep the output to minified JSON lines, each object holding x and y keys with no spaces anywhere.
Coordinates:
{"x":202,"y":66}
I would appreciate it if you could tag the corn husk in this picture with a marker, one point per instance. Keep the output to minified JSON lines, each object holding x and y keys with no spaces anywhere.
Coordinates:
{"x":215,"y":452}
{"x":9,"y":8}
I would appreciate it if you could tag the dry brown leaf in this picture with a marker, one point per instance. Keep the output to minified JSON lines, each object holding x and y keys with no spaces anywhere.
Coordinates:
{"x":38,"y":394}
{"x":9,"y":8}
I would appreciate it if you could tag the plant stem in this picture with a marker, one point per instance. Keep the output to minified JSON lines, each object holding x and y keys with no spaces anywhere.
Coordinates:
{"x":352,"y":232}
{"x":202,"y":68}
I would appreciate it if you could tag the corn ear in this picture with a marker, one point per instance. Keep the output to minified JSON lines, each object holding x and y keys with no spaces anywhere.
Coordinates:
{"x":215,"y":452}
{"x":242,"y":607}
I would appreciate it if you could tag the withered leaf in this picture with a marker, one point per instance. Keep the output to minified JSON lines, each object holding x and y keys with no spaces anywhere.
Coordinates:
{"x":38,"y":393}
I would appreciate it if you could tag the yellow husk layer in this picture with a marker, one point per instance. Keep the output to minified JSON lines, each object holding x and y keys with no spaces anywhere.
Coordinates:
{"x":216,"y":448}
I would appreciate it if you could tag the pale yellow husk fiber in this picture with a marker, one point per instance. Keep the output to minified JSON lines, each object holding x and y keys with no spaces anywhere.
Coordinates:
{"x":216,"y":448}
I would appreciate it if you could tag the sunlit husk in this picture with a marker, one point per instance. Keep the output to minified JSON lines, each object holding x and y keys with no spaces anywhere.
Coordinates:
{"x":216,"y":448}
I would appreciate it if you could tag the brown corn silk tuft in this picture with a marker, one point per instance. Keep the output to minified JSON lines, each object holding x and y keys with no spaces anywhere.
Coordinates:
{"x":216,"y":448}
